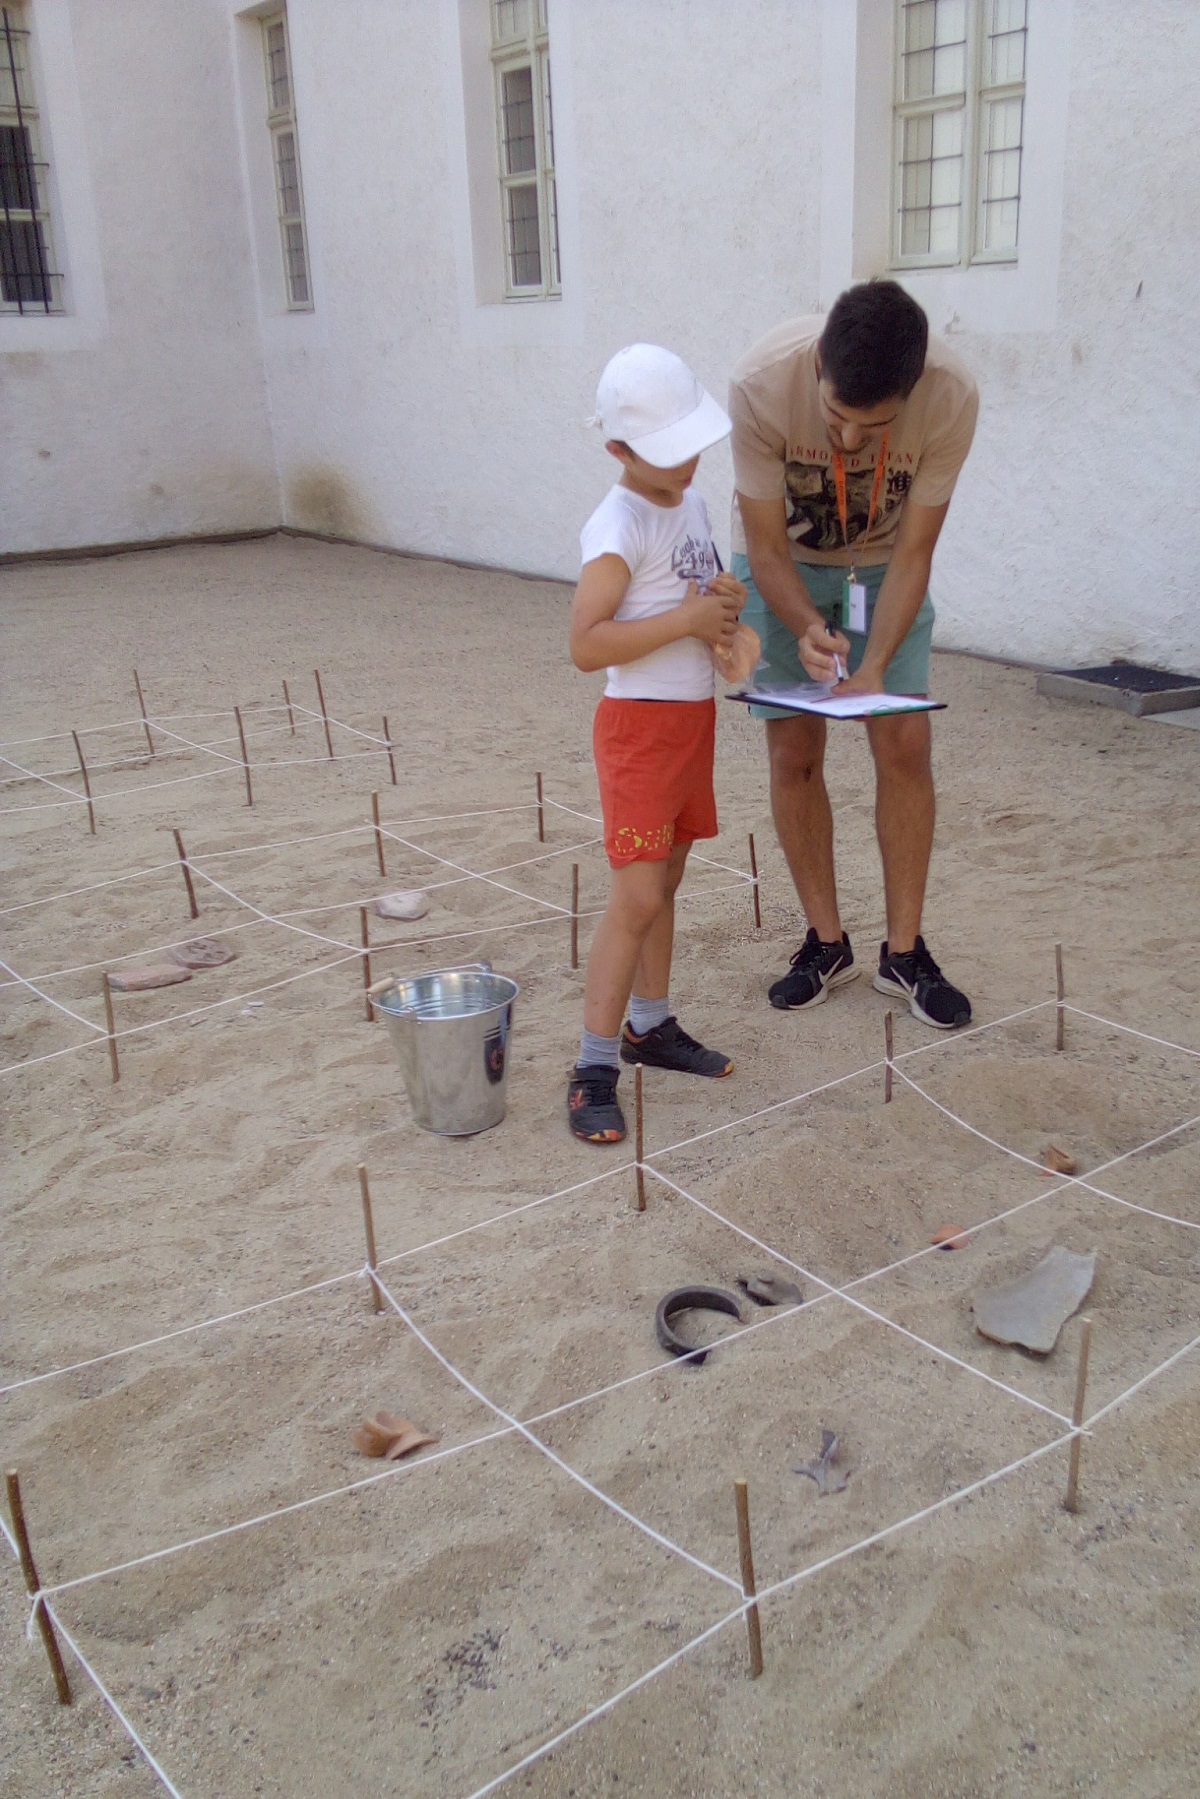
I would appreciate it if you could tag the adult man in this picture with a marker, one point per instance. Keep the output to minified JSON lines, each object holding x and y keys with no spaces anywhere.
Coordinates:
{"x":848,"y":436}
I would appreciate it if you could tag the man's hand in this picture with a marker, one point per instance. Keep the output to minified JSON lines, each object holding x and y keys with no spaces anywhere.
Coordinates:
{"x":712,"y":616}
{"x":819,"y":648}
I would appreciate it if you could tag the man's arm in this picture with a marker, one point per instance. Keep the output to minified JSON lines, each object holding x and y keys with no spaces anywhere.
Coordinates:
{"x":769,"y":551}
{"x":900,"y":593}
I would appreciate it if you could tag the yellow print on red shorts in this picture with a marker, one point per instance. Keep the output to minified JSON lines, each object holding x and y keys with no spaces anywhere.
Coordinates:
{"x":630,"y":842}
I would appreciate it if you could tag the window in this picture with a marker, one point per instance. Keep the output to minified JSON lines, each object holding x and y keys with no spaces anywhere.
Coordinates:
{"x":285,"y":154}
{"x":528,"y":198}
{"x":960,"y":104}
{"x":29,"y":281}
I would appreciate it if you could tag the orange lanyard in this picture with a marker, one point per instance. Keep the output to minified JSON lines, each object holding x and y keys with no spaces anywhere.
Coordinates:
{"x":839,"y":481}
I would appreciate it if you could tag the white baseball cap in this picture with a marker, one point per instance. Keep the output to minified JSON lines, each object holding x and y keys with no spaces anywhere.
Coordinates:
{"x":649,"y":398}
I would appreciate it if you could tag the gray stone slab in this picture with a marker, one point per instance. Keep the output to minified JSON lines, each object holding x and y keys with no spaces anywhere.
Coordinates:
{"x":1032,"y":1309}
{"x":1058,"y":685}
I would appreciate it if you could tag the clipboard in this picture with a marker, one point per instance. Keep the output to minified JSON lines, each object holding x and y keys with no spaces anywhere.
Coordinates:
{"x":826,"y":704}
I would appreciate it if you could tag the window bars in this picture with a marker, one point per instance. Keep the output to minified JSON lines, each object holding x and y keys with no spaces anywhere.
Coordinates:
{"x":959,"y":112}
{"x":285,"y":155}
{"x":525,"y":129}
{"x":29,"y":282}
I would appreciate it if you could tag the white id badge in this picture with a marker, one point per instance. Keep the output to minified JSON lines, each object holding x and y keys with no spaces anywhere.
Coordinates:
{"x":855,"y":609}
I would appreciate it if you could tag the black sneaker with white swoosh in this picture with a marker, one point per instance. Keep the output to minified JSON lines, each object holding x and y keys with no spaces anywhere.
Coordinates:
{"x":815,"y":968}
{"x":916,"y":977}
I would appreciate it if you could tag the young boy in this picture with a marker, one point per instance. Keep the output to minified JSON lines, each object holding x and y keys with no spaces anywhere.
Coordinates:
{"x":651,"y":604}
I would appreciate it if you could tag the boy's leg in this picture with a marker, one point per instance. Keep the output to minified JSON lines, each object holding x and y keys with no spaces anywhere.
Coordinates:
{"x":652,"y":977}
{"x":653,"y":1035}
{"x":634,"y":902}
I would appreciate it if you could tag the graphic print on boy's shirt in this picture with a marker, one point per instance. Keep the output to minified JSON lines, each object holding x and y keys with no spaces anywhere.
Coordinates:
{"x":811,"y":499}
{"x":695,"y":560}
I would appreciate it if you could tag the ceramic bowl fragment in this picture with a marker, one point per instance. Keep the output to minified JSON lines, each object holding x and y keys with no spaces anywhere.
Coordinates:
{"x":385,"y":1435}
{"x":1057,"y":1161}
{"x":950,"y":1236}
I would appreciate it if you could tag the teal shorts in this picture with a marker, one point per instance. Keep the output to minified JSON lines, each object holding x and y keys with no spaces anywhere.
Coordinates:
{"x":907,"y":672}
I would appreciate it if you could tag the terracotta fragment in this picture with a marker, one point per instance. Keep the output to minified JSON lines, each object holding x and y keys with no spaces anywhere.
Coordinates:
{"x":387,"y":1435}
{"x":201,"y":952}
{"x":951,"y":1236}
{"x":140,"y":980}
{"x":1057,"y":1161}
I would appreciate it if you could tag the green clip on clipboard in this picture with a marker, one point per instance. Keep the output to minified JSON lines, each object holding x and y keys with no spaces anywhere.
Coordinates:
{"x":826,"y":704}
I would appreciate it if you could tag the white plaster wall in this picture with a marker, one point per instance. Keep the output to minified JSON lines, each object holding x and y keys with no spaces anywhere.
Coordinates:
{"x":1071,"y":539}
{"x":143,"y":412}
{"x":688,"y":156}
{"x":715,"y":168}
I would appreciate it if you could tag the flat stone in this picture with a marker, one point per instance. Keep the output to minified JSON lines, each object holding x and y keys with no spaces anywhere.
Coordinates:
{"x":155,"y":974}
{"x":402,"y":905}
{"x":201,"y":952}
{"x":1031,"y":1310}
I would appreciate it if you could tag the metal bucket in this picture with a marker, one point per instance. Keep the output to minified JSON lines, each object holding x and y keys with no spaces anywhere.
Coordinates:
{"x":450,"y":1031}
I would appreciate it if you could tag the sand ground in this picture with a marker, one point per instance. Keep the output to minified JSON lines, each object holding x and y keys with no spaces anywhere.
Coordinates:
{"x":422,"y":1635}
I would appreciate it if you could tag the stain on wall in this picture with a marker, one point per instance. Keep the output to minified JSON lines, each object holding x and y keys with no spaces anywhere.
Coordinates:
{"x":319,"y":498}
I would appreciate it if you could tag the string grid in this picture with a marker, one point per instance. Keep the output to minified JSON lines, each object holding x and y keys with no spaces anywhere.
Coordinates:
{"x":508,"y":1423}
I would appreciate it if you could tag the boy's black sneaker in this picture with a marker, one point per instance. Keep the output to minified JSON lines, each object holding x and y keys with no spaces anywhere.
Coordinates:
{"x":592,"y":1110}
{"x":816,"y":967}
{"x":917,"y":978}
{"x":669,"y":1046}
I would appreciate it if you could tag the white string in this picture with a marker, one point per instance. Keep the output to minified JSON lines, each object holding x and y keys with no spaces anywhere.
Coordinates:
{"x":544,"y":1449}
{"x":206,"y":774}
{"x":1072,"y":1180}
{"x":270,"y":918}
{"x":1144,"y":1382}
{"x":328,"y":718}
{"x":29,"y":775}
{"x":77,"y":1016}
{"x":859,"y":1305}
{"x":92,"y":887}
{"x":1163,"y":1042}
{"x":445,"y":862}
{"x":113,"y":1707}
{"x":740,"y":1611}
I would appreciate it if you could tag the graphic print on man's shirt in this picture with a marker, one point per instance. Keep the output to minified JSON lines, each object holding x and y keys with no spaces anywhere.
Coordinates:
{"x":812,"y":511}
{"x":695,"y":560}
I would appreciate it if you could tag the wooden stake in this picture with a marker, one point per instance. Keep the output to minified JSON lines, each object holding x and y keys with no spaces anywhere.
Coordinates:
{"x":112,"y":1031}
{"x":574,"y":915}
{"x":639,"y":1136}
{"x":187,"y":875}
{"x":378,"y":835}
{"x":87,"y":785}
{"x":754,"y":887}
{"x":369,"y":1226}
{"x":753,"y":1632}
{"x":1058,"y":969}
{"x":142,"y":704}
{"x":324,"y":714}
{"x":391,"y":749}
{"x":541,"y":812}
{"x":287,"y":700}
{"x":887,"y":1050}
{"x":33,"y":1584}
{"x":366,"y":963}
{"x":237,"y":713}
{"x":1071,"y":1500}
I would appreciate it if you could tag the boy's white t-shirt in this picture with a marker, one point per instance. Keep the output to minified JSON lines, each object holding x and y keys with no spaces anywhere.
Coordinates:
{"x":664,"y":548}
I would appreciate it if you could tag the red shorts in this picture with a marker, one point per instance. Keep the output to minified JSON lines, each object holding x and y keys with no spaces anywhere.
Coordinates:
{"x":654,"y":759}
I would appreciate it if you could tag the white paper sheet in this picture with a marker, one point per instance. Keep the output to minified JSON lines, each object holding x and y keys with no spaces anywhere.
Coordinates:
{"x":829,"y":705}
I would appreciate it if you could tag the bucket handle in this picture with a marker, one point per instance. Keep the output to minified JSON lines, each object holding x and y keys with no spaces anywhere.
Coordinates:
{"x":389,"y":982}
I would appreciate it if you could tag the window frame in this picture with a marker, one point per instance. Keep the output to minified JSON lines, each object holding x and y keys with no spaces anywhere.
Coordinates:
{"x":974,"y":102}
{"x":281,"y":124}
{"x":510,"y":54}
{"x":24,"y":115}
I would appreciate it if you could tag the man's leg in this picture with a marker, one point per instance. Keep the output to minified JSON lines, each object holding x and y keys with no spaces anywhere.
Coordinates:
{"x":803,"y":817}
{"x":904,"y":819}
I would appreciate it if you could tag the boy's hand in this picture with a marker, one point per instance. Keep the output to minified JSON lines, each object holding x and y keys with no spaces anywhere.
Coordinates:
{"x":712,"y":616}
{"x":729,"y":587}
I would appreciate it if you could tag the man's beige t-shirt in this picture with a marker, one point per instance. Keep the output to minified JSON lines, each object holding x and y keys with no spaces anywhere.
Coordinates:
{"x":781,"y":449}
